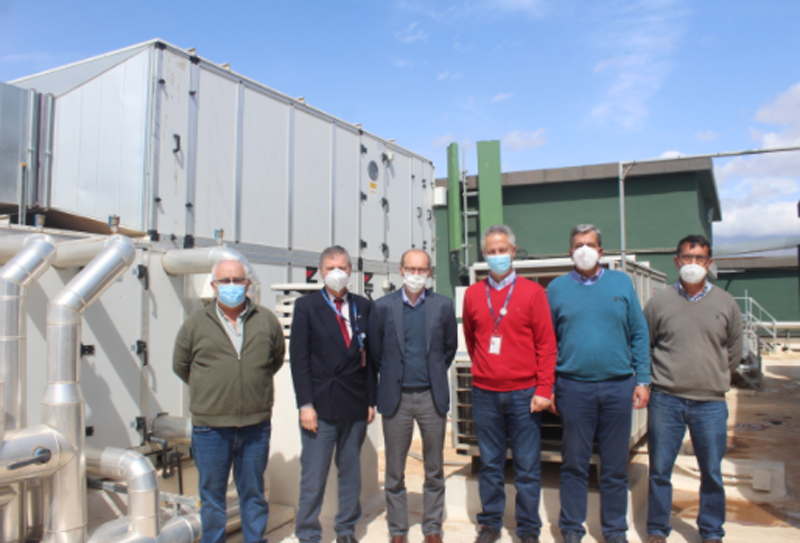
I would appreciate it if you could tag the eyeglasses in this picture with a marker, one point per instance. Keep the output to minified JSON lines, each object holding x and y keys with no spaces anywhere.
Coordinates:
{"x":239,"y":281}
{"x":416,"y":271}
{"x":688,"y":259}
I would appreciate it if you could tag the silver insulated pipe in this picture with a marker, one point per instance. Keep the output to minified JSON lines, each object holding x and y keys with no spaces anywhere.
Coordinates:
{"x":62,"y":403}
{"x":32,"y":256}
{"x":202,"y":260}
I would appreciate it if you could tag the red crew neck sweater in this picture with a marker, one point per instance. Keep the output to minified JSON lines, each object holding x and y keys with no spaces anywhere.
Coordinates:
{"x":528,"y":354}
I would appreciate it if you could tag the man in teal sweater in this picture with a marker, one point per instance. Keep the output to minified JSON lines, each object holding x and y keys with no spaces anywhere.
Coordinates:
{"x":603,"y":370}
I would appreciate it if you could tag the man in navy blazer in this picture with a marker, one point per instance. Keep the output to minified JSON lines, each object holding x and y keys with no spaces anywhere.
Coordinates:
{"x":335,"y":390}
{"x":412,"y":342}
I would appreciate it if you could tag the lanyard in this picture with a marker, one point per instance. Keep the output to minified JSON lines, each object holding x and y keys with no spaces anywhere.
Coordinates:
{"x":504,"y":309}
{"x":346,"y":320}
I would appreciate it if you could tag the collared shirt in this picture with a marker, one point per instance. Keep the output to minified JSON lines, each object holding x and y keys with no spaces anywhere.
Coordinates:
{"x":345,"y":310}
{"x":583,"y":280}
{"x":420,"y":299}
{"x":235,"y":333}
{"x":678,"y":285}
{"x":500,"y":285}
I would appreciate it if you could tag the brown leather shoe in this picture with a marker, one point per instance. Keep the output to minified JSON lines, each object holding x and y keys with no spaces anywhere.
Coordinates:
{"x":433,"y":538}
{"x":399,"y":539}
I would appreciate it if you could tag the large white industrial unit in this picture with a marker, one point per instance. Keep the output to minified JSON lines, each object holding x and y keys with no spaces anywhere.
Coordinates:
{"x":192,"y":163}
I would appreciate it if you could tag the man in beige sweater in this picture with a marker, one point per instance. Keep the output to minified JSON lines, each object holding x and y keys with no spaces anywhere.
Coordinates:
{"x":228,"y":354}
{"x":695,"y":342}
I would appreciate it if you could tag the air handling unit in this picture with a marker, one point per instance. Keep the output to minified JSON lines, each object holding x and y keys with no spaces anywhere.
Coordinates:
{"x":123,"y":179}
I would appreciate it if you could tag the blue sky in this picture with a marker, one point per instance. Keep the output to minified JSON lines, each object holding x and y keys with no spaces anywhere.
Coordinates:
{"x":559,"y":82}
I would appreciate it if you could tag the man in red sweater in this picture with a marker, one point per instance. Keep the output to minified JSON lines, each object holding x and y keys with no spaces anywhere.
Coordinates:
{"x":509,"y":333}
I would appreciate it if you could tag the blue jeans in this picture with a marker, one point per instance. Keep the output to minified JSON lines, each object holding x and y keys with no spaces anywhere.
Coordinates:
{"x":592,"y":410}
{"x":500,"y":416}
{"x":707,"y":422}
{"x":214,"y":450}
{"x":315,"y":462}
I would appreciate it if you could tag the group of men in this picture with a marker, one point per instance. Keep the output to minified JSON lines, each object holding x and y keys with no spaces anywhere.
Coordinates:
{"x":583,"y":349}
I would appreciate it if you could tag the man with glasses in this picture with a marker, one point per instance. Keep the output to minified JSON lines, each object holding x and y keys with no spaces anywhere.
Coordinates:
{"x":413,"y":340}
{"x":335,"y":391}
{"x":228,"y":354}
{"x":695,"y":342}
{"x":602,"y":374}
{"x":509,"y":334}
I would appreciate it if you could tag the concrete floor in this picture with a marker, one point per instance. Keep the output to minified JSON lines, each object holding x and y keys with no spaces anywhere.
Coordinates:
{"x":762,"y":476}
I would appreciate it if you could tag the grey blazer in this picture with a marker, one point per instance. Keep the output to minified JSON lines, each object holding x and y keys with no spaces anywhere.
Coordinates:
{"x":386,"y":344}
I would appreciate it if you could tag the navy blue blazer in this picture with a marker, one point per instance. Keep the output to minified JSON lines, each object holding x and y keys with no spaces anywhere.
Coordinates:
{"x":387,"y":347}
{"x":325,"y":372}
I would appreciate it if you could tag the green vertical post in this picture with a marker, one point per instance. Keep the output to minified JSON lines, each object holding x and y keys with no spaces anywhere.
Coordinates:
{"x":454,"y":217}
{"x":490,"y":187}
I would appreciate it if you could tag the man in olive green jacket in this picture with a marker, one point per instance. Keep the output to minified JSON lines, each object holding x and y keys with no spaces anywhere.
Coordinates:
{"x":228,"y":354}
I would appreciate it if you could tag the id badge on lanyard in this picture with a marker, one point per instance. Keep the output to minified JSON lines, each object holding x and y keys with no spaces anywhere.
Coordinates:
{"x":496,"y":340}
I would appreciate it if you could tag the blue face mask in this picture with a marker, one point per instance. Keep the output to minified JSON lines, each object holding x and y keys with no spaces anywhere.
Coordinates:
{"x":499,"y":264}
{"x":231,"y":295}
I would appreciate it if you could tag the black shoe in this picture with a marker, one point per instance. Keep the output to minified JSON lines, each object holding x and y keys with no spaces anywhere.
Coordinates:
{"x":487,"y":535}
{"x":572,"y":537}
{"x":617,"y":539}
{"x":529,"y":538}
{"x":346,"y":539}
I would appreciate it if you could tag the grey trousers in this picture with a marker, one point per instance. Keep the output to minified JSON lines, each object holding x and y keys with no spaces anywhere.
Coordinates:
{"x":398,"y":431}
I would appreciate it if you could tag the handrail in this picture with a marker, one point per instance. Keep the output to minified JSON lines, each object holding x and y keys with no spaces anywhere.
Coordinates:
{"x":762,"y":321}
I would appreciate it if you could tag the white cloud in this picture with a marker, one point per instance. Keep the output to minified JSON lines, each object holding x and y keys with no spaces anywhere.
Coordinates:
{"x":402,"y":63}
{"x":502,"y":96}
{"x":411,"y":33}
{"x":478,"y":8}
{"x":443,"y":141}
{"x":670,"y":154}
{"x":706,"y":135}
{"x":519,"y":140}
{"x":759,"y":193}
{"x":447,"y":75}
{"x":638,"y":40}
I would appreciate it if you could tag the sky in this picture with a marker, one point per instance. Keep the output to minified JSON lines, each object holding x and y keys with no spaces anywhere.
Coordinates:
{"x":559,"y":82}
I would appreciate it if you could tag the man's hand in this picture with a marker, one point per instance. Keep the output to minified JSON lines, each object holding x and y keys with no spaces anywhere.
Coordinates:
{"x":370,"y":414}
{"x":552,"y":407}
{"x":308,"y":419}
{"x":539,"y":404}
{"x":641,"y":397}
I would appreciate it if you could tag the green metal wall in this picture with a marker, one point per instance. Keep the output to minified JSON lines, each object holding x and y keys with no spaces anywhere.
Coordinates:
{"x":660,"y":210}
{"x":775,"y":290}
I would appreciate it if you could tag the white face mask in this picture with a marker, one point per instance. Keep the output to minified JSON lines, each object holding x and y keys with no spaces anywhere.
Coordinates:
{"x":693,"y":273}
{"x":585,"y":258}
{"x":414,"y":283}
{"x":336,"y":280}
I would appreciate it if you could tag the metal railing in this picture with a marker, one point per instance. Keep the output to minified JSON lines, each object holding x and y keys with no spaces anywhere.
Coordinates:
{"x":759,"y":322}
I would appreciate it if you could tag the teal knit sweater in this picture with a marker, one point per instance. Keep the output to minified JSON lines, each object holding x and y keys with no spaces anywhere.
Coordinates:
{"x":600,"y":329}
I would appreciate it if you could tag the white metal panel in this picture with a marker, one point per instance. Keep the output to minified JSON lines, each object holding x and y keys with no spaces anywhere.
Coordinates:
{"x":216,"y":154}
{"x":429,"y":228}
{"x":98,"y":148}
{"x":417,"y":209}
{"x":311,"y":182}
{"x":346,"y":190}
{"x":373,"y":217}
{"x":265,"y":170}
{"x":172,"y":166}
{"x":398,"y":210}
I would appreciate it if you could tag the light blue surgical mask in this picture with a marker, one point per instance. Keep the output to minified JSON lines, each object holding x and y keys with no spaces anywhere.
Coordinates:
{"x":231,"y":295}
{"x":499,"y":264}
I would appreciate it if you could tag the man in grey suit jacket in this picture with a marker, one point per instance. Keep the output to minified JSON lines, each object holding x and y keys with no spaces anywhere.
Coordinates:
{"x":412,"y":341}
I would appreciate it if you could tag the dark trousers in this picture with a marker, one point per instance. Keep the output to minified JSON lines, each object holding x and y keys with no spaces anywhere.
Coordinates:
{"x":398,"y":430}
{"x":345,"y":438}
{"x":589,"y":410}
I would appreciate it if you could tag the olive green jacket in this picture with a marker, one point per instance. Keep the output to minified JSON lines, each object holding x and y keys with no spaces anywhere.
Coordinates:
{"x":224,"y":389}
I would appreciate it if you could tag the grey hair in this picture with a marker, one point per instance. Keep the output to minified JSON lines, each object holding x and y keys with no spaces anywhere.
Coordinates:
{"x":214,"y":268}
{"x":583,"y":229}
{"x":332,"y":252}
{"x":498,"y":229}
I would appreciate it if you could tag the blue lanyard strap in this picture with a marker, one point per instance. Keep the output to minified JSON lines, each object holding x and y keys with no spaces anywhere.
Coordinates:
{"x":346,"y":320}
{"x":504,"y":310}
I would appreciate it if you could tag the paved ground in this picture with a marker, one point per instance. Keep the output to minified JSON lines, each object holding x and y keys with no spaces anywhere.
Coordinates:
{"x":763,"y":427}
